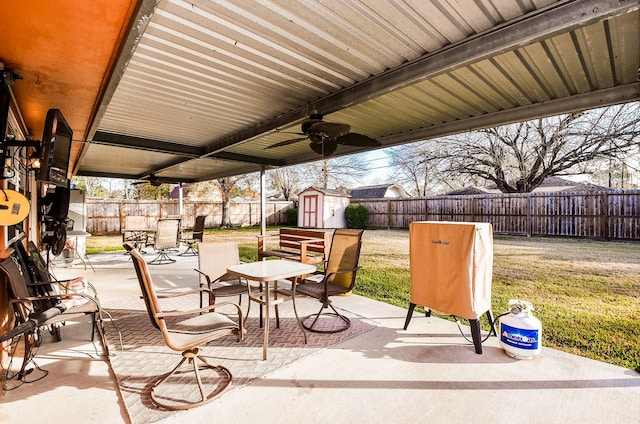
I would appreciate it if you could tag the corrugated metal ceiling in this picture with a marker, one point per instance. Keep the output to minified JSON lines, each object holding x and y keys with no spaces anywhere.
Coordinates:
{"x":211,"y":84}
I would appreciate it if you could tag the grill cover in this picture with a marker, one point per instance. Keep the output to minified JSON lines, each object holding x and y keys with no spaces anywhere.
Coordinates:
{"x":451,"y":267}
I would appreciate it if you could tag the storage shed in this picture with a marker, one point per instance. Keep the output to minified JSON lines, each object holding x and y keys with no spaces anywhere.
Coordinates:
{"x":322,"y":208}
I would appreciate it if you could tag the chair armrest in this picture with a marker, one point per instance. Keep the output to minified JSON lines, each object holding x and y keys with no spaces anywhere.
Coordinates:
{"x":168,"y":294}
{"x":61,"y":297}
{"x":61,"y":283}
{"x":262,"y":239}
{"x":203,"y":274}
{"x":344,"y":271}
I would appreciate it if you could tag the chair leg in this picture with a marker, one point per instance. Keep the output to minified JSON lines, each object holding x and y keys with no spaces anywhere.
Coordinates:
{"x":191,"y":250}
{"x":249,"y":307}
{"x":192,"y":356}
{"x":335,"y":313}
{"x":162,"y":258}
{"x":93,"y":326}
{"x":103,"y":335}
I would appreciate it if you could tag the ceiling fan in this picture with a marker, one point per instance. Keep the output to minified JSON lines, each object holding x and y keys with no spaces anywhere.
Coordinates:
{"x":151,"y":179}
{"x":324,"y":137}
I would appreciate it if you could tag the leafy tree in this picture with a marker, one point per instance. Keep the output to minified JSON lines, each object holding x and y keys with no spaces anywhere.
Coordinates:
{"x":149,"y":192}
{"x":93,"y":186}
{"x":204,"y":190}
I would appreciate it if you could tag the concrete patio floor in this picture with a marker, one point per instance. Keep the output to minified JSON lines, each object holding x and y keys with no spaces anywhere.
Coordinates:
{"x":427,"y":373}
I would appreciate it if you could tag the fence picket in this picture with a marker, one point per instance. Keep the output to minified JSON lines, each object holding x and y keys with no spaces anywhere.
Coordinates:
{"x":608,"y":215}
{"x":106,"y":216}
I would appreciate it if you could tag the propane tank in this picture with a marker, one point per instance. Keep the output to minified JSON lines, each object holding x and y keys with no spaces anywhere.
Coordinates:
{"x":520,"y":331}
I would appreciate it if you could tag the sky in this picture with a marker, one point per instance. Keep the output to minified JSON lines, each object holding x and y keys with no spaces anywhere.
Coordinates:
{"x":380,"y":171}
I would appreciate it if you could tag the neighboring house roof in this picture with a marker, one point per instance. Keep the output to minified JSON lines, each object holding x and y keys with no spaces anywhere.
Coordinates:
{"x":379,"y":191}
{"x":325,"y":191}
{"x":549,"y":185}
{"x":469,"y":190}
{"x":175,"y":193}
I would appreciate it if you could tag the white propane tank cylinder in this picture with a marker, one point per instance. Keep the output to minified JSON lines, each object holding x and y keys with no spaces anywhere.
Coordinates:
{"x":520,"y":331}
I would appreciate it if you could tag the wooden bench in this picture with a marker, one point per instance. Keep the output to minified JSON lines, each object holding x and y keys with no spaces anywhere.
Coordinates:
{"x":296,"y":244}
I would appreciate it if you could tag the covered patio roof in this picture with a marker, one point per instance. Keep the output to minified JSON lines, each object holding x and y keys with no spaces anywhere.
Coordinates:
{"x":192,"y":91}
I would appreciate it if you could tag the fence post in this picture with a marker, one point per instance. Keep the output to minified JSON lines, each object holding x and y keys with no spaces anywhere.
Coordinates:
{"x":474,"y":207}
{"x":426,"y":209}
{"x":121,"y":215}
{"x":529,"y":223}
{"x":604,"y":215}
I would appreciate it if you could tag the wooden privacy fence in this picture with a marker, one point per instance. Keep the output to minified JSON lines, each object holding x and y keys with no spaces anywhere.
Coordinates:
{"x":106,"y":216}
{"x":607,"y":215}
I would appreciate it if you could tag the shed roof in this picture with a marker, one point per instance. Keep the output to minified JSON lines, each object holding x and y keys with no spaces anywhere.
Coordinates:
{"x":325,"y":191}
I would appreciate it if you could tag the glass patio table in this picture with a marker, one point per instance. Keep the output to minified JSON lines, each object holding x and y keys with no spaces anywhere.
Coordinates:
{"x":269,"y":272}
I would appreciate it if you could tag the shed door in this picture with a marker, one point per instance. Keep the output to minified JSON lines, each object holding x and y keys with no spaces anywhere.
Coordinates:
{"x":310,"y":212}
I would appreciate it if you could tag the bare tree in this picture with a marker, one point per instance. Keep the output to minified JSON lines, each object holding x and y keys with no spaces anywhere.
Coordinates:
{"x":335,"y":173}
{"x":287,"y":180}
{"x":416,"y":167}
{"x":519,"y":157}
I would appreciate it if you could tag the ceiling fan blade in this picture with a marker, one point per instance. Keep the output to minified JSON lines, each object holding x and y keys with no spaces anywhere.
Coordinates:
{"x":285,"y":143}
{"x":330,"y":129}
{"x":359,"y":140}
{"x":324,"y":148}
{"x":153,"y":183}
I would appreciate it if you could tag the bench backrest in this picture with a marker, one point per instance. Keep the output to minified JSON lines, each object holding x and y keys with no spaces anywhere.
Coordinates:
{"x":289,"y":238}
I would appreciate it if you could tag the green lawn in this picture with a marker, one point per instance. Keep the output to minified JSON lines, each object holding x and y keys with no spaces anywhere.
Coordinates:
{"x":586,"y":293}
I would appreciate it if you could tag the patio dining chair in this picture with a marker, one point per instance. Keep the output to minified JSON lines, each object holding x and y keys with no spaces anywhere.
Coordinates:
{"x":135,"y":231}
{"x":338,"y":278}
{"x":186,"y":332}
{"x":213,"y":261}
{"x":166,"y":239}
{"x":192,"y":238}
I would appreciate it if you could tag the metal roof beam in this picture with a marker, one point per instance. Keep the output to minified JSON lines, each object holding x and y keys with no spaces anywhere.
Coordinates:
{"x":536,"y":26}
{"x":131,"y":142}
{"x":131,"y":177}
{"x":601,"y":98}
{"x":236,"y":157}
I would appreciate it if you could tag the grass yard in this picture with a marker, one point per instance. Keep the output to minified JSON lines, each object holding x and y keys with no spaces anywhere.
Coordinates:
{"x":586,"y":293}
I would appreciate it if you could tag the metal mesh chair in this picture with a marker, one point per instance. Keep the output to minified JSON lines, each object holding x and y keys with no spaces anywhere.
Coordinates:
{"x":338,"y":278}
{"x":135,"y":231}
{"x":167,"y":238}
{"x":196,"y":235}
{"x":186,"y":332}
{"x":213,"y":261}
